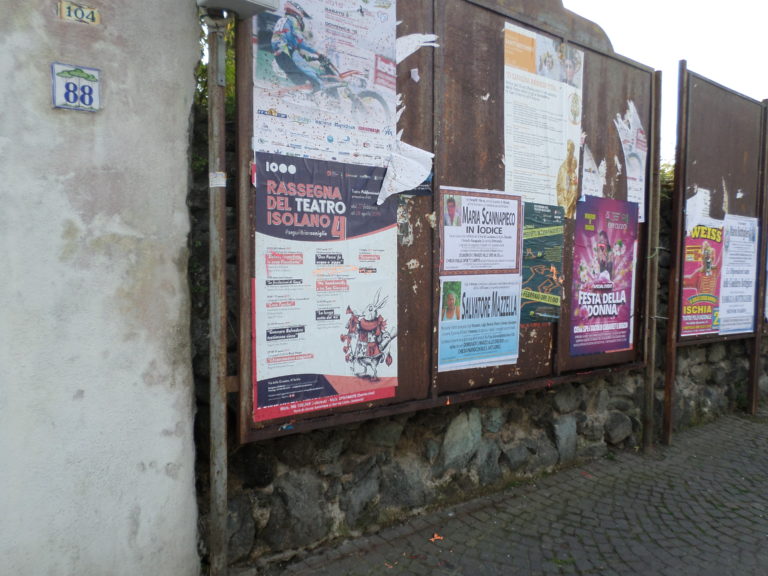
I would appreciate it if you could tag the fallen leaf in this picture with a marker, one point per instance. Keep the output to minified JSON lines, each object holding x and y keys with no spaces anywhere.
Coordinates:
{"x":435,"y":537}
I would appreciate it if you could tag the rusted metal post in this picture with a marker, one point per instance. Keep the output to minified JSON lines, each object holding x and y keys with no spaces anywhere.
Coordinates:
{"x":675,"y":247}
{"x":218,"y":295}
{"x":245,"y":258}
{"x":653,"y":267}
{"x":756,"y":359}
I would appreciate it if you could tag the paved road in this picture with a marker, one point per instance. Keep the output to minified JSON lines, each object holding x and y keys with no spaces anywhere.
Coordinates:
{"x":699,"y":507}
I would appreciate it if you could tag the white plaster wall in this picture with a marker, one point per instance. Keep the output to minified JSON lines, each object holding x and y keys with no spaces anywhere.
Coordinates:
{"x":96,"y":394}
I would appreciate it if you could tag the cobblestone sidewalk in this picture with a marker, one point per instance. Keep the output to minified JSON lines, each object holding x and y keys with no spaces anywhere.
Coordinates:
{"x":698,"y":507}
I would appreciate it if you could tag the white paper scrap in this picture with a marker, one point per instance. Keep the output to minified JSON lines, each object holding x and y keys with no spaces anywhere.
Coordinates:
{"x":407,"y":45}
{"x":408,"y":168}
{"x":217,"y":179}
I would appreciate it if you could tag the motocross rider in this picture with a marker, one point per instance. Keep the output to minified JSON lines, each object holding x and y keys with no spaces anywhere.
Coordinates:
{"x":291,"y":50}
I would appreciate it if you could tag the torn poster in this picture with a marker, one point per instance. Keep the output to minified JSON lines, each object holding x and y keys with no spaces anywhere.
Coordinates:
{"x":408,"y":167}
{"x":542,"y":117}
{"x":324,"y":81}
{"x":635,"y":145}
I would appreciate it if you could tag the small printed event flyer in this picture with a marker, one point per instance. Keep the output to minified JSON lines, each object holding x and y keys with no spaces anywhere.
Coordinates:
{"x":480,"y":282}
{"x":480,"y":230}
{"x":479,"y":321}
{"x":738,"y":285}
{"x":603,"y":276}
{"x":542,"y":263}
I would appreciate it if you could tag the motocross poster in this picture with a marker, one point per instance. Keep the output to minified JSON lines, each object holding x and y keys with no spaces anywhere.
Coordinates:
{"x":542,"y":263}
{"x":543,"y":80}
{"x":479,"y":321}
{"x":324,"y":80}
{"x":325,"y":286}
{"x":603,"y":276}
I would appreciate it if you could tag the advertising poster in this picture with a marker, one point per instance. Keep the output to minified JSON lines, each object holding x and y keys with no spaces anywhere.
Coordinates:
{"x":479,"y":321}
{"x":702,"y":268}
{"x":542,"y":118}
{"x":480,"y":230}
{"x":325,"y":286}
{"x":542,"y":263}
{"x":324,"y":80}
{"x":592,"y":175}
{"x":765,"y":304}
{"x":603,"y":276}
{"x":738,"y":286}
{"x":635,"y":146}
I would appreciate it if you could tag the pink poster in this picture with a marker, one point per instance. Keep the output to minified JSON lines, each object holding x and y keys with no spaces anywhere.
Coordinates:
{"x":700,"y":298}
{"x":603,"y":276}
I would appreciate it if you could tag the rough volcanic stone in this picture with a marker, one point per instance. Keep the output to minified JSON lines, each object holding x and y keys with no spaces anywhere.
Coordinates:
{"x":313,"y":449}
{"x":241,"y":529}
{"x":716,"y":352}
{"x":255,"y":465}
{"x":516,"y":455}
{"x":565,"y":437}
{"x":494,"y":418}
{"x":403,"y":484}
{"x":486,"y":461}
{"x":384,"y":433}
{"x":357,"y":495}
{"x":618,"y":427}
{"x":298,"y":517}
{"x":462,"y":439}
{"x":567,"y":399}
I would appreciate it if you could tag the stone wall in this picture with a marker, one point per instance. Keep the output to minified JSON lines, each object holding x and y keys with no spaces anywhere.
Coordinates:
{"x":292,"y":493}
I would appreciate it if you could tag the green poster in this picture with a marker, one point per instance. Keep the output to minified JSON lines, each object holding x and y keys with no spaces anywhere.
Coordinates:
{"x":542,"y":263}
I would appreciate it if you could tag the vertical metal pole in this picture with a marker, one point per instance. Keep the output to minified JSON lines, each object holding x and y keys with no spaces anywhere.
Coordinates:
{"x":653,"y":266}
{"x":218,"y":296}
{"x":756,"y":359}
{"x":676,"y":242}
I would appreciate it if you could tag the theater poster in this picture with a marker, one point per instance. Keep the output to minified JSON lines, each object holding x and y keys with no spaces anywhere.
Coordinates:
{"x":325,"y":287}
{"x":603,"y":276}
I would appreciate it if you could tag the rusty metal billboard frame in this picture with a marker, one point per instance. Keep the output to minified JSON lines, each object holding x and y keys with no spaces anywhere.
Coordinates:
{"x":675,"y":339}
{"x":425,"y":114}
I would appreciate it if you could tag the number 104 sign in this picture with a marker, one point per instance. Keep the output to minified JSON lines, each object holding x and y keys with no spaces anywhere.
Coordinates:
{"x":76,"y":87}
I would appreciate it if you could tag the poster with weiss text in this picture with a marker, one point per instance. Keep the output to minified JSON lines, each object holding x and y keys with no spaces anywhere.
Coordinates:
{"x":325,"y":287}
